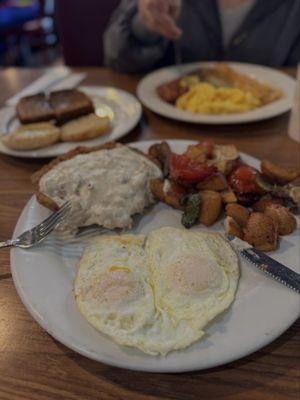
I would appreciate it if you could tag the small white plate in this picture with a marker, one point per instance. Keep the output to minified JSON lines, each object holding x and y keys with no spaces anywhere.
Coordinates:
{"x":124,"y":108}
{"x":44,"y":276}
{"x":146,"y":92}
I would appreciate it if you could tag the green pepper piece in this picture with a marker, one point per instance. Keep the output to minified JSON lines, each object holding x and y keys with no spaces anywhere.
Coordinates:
{"x":263,"y":184}
{"x":191,"y":211}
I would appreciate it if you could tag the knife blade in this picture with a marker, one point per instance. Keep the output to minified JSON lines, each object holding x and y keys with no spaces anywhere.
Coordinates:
{"x":268,"y":265}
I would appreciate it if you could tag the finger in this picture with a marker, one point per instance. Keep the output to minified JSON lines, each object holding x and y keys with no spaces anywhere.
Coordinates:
{"x":167,"y":26}
{"x":174,"y":8}
{"x":158,"y":6}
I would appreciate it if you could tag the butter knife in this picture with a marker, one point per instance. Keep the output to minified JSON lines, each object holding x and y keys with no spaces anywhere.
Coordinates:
{"x":268,"y":265}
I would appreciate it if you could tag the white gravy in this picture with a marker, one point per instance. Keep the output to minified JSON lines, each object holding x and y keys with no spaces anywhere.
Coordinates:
{"x":106,"y":187}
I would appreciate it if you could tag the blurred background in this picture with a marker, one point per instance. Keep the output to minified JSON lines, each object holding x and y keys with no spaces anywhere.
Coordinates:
{"x":36,"y":33}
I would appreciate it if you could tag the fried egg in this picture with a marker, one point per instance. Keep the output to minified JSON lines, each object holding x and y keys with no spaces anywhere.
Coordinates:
{"x":156,"y":292}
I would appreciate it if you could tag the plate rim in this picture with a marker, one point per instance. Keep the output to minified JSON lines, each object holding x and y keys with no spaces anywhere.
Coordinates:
{"x":34,"y":154}
{"x":104,"y":359}
{"x":157,"y":105}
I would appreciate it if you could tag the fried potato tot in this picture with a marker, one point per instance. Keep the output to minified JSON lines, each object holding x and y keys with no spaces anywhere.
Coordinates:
{"x":286,"y":221}
{"x":211,"y":206}
{"x":168,"y":192}
{"x":261,"y":232}
{"x":239,"y":213}
{"x":266,"y":201}
{"x":228,"y":196}
{"x":233,"y":228}
{"x":277,"y":173}
{"x":215,"y":182}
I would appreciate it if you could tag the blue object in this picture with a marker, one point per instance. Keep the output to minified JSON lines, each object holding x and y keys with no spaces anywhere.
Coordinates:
{"x":12,"y":17}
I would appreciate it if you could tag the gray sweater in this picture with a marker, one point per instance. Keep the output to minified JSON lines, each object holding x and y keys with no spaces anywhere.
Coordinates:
{"x":269,"y":35}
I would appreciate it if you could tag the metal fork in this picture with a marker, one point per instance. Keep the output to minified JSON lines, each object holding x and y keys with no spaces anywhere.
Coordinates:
{"x":39,"y":232}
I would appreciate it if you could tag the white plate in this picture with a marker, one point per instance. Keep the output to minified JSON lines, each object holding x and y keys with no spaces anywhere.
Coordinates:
{"x":44,"y":275}
{"x":126,"y":114}
{"x":146,"y":92}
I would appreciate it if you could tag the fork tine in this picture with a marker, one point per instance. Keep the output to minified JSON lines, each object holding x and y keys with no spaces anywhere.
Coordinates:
{"x":50,"y":227}
{"x":52,"y":222}
{"x":47,"y":220}
{"x":43,"y":234}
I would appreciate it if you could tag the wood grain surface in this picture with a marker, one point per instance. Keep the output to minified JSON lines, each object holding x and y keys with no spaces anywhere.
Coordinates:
{"x":34,"y":366}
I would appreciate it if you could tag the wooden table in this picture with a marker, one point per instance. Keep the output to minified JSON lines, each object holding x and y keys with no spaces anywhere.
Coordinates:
{"x":34,"y":366}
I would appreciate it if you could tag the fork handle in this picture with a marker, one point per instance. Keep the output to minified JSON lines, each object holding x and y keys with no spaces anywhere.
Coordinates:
{"x":8,"y":243}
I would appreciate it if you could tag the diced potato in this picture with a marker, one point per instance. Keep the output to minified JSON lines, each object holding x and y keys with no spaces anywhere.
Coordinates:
{"x":225,"y":152}
{"x":160,"y":153}
{"x":286,"y":221}
{"x":277,"y":173}
{"x":167,"y":191}
{"x":174,"y":195}
{"x":215,"y":182}
{"x":223,"y":166}
{"x":156,"y":187}
{"x":196,"y":152}
{"x":266,"y":201}
{"x":228,"y":196}
{"x":233,"y":228}
{"x":261,"y":232}
{"x":211,"y":206}
{"x":239,"y":213}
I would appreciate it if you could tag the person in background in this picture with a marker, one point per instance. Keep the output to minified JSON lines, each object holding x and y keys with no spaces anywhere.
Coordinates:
{"x":143,"y":35}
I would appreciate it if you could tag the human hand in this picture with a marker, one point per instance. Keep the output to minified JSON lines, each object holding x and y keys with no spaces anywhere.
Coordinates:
{"x":159,"y":16}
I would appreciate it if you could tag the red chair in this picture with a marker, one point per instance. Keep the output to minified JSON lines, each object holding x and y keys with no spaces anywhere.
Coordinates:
{"x":80,"y":25}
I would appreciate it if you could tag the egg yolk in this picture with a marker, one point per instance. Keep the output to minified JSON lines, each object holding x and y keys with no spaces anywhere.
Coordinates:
{"x":194,"y":274}
{"x":114,"y":288}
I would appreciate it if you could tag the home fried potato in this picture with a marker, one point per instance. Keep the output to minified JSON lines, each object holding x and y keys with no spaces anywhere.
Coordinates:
{"x":286,"y":220}
{"x":196,"y":152}
{"x":168,"y":192}
{"x":228,"y":196}
{"x":232,"y":227}
{"x":211,"y":206}
{"x":226,"y":152}
{"x":215,"y":182}
{"x":266,"y":201}
{"x":277,"y":173}
{"x":161,"y":153}
{"x":223,"y":166}
{"x":261,"y":232}
{"x":239,"y":213}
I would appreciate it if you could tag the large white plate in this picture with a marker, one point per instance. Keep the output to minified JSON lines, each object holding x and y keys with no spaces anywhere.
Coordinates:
{"x":146,"y":92}
{"x":44,"y":275}
{"x":126,"y":111}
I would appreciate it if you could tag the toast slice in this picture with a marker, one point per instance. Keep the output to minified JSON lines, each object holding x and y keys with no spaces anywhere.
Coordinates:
{"x":70,"y":104}
{"x":34,"y":108}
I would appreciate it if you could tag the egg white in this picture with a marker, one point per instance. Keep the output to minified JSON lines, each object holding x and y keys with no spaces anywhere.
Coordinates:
{"x":156,"y":293}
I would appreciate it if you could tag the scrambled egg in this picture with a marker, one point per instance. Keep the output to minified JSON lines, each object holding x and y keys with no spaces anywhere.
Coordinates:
{"x":205,"y":98}
{"x":157,"y":292}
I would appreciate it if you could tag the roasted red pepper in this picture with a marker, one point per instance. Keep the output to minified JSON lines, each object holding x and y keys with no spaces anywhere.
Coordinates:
{"x":182,"y":168}
{"x":243,"y":180}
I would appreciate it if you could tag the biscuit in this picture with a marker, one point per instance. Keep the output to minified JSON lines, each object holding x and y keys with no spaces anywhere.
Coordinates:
{"x":84,"y":128}
{"x":32,"y":136}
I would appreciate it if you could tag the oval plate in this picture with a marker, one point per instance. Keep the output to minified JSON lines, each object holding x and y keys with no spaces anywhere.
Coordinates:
{"x":123,"y":109}
{"x":146,"y":92}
